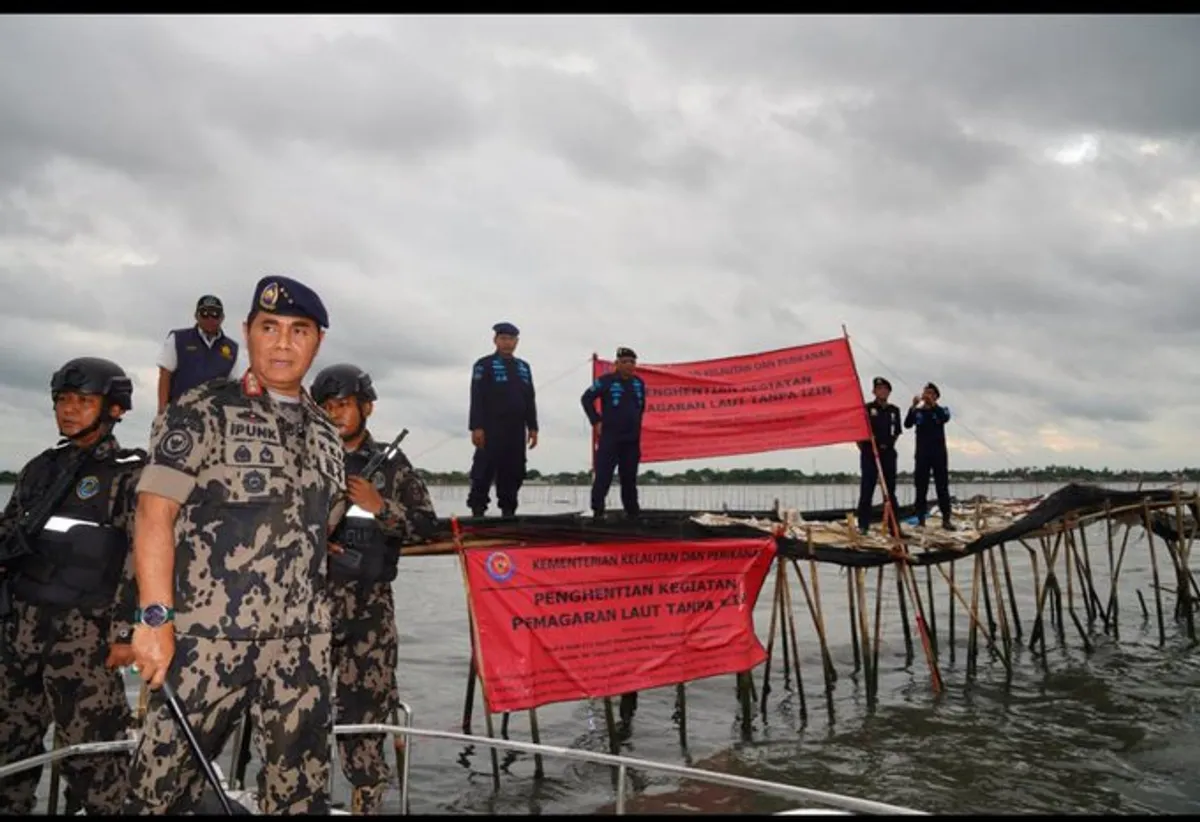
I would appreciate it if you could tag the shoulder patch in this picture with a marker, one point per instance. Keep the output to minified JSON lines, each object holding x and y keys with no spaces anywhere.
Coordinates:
{"x":177,"y":444}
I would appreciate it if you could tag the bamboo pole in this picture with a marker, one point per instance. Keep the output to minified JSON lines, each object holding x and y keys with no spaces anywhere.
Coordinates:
{"x":860,"y":588}
{"x":1158,"y":609}
{"x":878,"y":629}
{"x":476,"y":647}
{"x":776,"y":604}
{"x":789,"y":615}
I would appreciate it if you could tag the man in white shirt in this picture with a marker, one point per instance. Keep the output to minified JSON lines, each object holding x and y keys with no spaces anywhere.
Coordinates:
{"x":191,"y":356}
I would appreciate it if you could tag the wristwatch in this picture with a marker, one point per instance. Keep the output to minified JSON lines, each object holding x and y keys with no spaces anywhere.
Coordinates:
{"x":155,"y":615}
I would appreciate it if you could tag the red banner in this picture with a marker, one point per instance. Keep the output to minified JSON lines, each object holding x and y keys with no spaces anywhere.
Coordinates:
{"x":567,"y":622}
{"x":798,"y":397}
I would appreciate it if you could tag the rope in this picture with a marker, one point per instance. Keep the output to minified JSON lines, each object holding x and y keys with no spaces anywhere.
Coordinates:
{"x":560,"y":376}
{"x":957,"y":420}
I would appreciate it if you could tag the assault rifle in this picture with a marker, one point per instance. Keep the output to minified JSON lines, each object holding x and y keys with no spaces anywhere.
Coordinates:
{"x":387,"y":453}
{"x":350,"y":557}
{"x":17,"y":554}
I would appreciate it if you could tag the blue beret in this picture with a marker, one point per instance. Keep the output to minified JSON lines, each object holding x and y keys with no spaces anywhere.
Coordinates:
{"x":288,"y":298}
{"x":506,"y":328}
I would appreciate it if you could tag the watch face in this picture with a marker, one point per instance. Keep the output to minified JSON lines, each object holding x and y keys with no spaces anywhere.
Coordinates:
{"x":154,"y":616}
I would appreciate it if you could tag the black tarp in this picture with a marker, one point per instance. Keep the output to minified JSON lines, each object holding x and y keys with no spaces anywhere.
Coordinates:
{"x":1075,"y":499}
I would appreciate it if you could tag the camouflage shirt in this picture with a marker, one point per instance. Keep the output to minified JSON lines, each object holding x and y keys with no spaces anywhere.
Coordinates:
{"x":110,"y":503}
{"x":259,"y":482}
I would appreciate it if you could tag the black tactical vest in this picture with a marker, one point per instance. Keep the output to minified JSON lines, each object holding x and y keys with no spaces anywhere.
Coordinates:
{"x":368,"y":558}
{"x":84,"y":554}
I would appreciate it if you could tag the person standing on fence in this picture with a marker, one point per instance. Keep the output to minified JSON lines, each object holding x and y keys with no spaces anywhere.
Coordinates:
{"x":618,"y":429}
{"x":930,"y":418}
{"x":67,"y":593}
{"x":194,"y":355}
{"x":502,"y":420}
{"x":244,"y":482}
{"x":886,"y":428}
{"x":390,"y":507}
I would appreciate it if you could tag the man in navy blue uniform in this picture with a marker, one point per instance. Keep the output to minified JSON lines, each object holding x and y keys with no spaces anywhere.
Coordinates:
{"x":618,"y":427}
{"x":191,"y":356}
{"x":930,"y":418}
{"x":885,"y":425}
{"x":502,"y":420}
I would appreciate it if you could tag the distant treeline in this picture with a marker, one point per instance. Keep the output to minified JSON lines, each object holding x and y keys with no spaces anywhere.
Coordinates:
{"x":787,"y":476}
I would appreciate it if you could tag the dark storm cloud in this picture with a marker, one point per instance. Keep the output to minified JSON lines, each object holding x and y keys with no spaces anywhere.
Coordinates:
{"x":369,"y":94}
{"x":693,"y":187}
{"x":80,"y":87}
{"x":1120,"y":72}
{"x":599,"y":133}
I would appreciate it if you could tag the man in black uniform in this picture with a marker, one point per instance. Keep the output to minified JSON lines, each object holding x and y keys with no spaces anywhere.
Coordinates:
{"x":503,"y":418}
{"x":71,"y":592}
{"x":930,"y":420}
{"x":618,"y":426}
{"x":885,"y":425}
{"x":389,"y":508}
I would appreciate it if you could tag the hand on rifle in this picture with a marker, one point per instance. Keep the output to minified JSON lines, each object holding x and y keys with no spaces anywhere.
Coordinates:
{"x":364,"y":494}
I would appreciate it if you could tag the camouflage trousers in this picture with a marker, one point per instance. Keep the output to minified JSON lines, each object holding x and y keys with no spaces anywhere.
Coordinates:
{"x":52,"y":670}
{"x":365,"y":655}
{"x":285,"y":685}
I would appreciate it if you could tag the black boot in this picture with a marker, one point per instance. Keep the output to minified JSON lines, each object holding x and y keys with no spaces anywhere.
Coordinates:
{"x":508,"y":512}
{"x":947,"y":525}
{"x":478,"y":512}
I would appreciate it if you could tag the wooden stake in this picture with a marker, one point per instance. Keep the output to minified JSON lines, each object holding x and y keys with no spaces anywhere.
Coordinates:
{"x":878,"y":625}
{"x":790,"y":618}
{"x":1012,"y":594}
{"x":853,"y":617}
{"x":1158,"y":608}
{"x":776,"y":605}
{"x":908,"y":649}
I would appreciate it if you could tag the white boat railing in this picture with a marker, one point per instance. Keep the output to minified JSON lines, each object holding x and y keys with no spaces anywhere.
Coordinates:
{"x":623,"y":764}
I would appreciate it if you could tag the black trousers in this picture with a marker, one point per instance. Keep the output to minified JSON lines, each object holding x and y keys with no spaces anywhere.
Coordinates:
{"x":501,"y":460}
{"x":870,"y":478}
{"x":623,"y":457}
{"x":937,"y":464}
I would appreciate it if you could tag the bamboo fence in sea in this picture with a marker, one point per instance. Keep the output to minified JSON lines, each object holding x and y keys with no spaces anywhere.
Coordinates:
{"x":1075,"y":542}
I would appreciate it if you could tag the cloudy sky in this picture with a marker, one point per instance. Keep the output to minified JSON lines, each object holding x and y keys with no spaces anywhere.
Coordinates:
{"x":1007,"y":206}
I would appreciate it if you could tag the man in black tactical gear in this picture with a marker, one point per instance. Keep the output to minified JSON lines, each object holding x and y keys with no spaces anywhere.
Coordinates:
{"x":886,"y":427}
{"x":67,"y":577}
{"x":389,"y":508}
{"x":930,"y":417}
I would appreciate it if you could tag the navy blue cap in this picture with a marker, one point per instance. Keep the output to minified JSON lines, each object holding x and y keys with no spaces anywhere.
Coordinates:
{"x":506,"y":328}
{"x":288,"y":298}
{"x":210,"y":301}
{"x":626,"y":352}
{"x":934,"y":389}
{"x":878,"y":381}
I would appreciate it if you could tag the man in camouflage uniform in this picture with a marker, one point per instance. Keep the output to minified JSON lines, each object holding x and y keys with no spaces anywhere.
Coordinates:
{"x":390,"y":507}
{"x":242,"y":486}
{"x":70,"y":588}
